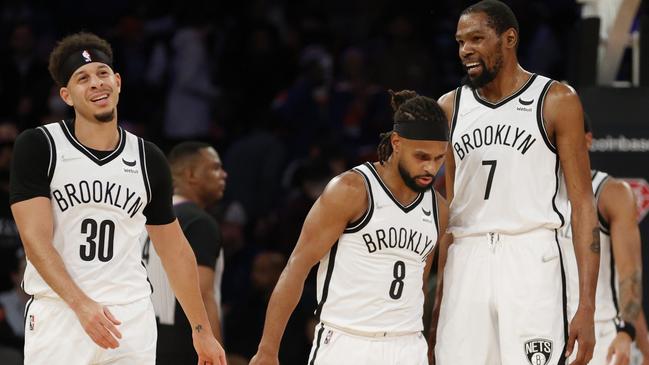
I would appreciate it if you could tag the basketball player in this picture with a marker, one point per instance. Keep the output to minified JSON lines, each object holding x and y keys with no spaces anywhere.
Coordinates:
{"x":512,"y":132}
{"x":619,"y":285}
{"x":82,"y":191}
{"x":199,"y":182}
{"x":372,"y":230}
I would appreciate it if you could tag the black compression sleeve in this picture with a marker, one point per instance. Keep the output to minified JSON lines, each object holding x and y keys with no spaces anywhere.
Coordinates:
{"x":29,"y":167}
{"x":160,"y":209}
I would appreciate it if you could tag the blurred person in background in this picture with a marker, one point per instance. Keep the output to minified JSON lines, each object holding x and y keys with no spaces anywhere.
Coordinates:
{"x":199,"y":182}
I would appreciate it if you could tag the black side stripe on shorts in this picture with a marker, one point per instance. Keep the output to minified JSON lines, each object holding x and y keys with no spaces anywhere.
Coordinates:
{"x":29,"y":304}
{"x":562,"y":358}
{"x":325,"y":289}
{"x":317,"y":346}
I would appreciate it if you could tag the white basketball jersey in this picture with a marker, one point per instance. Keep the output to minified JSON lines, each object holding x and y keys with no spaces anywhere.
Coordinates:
{"x":371,"y":280}
{"x":97,"y":209}
{"x":606,"y":297}
{"x":506,"y":169}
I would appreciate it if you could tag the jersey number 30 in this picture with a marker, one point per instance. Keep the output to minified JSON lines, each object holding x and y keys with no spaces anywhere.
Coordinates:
{"x":97,"y":245}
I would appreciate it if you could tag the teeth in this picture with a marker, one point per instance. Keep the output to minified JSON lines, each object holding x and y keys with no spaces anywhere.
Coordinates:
{"x":100,"y":98}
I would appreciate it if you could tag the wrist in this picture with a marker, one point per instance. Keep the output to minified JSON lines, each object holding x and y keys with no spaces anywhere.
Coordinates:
{"x":266,"y":349}
{"x":625,"y":327}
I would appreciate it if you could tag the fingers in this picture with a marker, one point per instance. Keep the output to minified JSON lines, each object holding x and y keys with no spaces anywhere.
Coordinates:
{"x":222,"y":359}
{"x":102,"y":337}
{"x":571,"y":343}
{"x":609,"y":354}
{"x":111,"y":316}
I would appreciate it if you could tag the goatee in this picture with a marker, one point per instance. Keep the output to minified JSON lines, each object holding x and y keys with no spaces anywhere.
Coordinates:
{"x":106,"y":117}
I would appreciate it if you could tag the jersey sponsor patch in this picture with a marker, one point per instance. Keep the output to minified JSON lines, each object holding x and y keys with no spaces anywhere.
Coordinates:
{"x":538,"y":351}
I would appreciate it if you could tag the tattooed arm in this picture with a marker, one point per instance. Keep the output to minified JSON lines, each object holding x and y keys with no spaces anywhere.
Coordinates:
{"x":617,"y":206}
{"x":564,"y":122}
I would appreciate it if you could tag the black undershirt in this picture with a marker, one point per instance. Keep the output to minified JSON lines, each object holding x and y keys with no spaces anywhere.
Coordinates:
{"x":31,"y":157}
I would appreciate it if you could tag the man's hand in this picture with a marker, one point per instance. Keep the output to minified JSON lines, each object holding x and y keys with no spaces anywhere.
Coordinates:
{"x":264,"y":358}
{"x":621,"y":348}
{"x":582,"y":329}
{"x":209,"y":350}
{"x":99,"y":323}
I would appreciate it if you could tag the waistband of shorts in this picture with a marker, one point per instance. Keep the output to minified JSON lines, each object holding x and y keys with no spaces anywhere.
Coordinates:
{"x":381,"y":334}
{"x":544,"y":234}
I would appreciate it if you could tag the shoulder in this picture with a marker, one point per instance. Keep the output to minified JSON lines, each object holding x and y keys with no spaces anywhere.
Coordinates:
{"x":617,"y":190}
{"x":348,"y":184}
{"x":447,"y":102}
{"x":561,"y":94}
{"x":32,"y":137}
{"x":151,"y":150}
{"x":190,"y":213}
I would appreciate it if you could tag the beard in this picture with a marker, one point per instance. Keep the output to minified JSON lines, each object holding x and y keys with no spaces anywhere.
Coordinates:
{"x":106,"y":117}
{"x":412,"y":183}
{"x":486,"y":76}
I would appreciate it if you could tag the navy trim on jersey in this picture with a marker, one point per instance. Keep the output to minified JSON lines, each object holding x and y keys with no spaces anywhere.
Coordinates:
{"x":539,"y":116}
{"x":99,"y":161}
{"x":556,"y":191}
{"x":604,"y":226}
{"x":491,"y":105}
{"x":456,"y":111}
{"x":405,"y":209}
{"x":325,"y":288}
{"x":52,"y":164}
{"x":435,"y":211}
{"x":562,"y":359}
{"x":317,"y":346}
{"x":361,"y":222}
{"x":29,"y":304}
{"x":613,"y":279}
{"x":145,"y":174}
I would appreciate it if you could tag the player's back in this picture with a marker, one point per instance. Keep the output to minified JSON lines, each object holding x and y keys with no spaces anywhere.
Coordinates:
{"x":507,"y":170}
{"x":371,"y":280}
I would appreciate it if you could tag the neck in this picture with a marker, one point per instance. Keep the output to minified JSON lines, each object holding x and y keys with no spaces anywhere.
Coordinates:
{"x":101,"y":136}
{"x":389,"y":173}
{"x":510,"y":78}
{"x":182,"y":195}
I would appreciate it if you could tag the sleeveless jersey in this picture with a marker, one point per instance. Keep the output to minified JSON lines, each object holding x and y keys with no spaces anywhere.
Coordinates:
{"x":97,"y":207}
{"x":606,"y":295}
{"x":371,"y":280}
{"x":506,"y":169}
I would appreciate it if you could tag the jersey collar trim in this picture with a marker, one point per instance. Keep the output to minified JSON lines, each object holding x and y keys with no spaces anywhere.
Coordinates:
{"x":504,"y":101}
{"x":83,"y":149}
{"x":405,"y":208}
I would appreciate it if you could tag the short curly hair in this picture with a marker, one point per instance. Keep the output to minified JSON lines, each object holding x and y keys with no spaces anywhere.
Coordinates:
{"x":70,"y":44}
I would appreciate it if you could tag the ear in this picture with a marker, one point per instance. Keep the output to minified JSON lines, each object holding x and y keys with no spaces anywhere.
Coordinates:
{"x":511,"y":38}
{"x":65,"y":95}
{"x":118,"y":82}
{"x":395,"y":140}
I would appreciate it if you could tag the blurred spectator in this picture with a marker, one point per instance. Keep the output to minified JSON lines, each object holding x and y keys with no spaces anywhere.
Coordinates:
{"x":13,"y":301}
{"x":24,"y":80}
{"x":245,"y":322}
{"x":191,"y":94}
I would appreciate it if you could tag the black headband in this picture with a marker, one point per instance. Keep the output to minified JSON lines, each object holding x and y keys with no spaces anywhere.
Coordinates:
{"x":422,"y":130}
{"x":80,"y":58}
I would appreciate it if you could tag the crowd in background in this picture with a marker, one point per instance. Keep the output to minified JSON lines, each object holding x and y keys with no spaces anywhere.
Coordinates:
{"x":291,"y":93}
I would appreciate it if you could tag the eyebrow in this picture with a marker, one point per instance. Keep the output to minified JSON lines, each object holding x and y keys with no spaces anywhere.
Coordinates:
{"x":79,"y":72}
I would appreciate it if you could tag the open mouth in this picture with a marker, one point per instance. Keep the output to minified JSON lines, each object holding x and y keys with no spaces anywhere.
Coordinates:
{"x":100,"y":100}
{"x":472,"y":67}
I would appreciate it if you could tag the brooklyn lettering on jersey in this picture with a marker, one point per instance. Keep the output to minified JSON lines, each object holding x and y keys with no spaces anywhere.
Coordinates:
{"x":407,"y":239}
{"x":98,"y":192}
{"x":499,"y":134}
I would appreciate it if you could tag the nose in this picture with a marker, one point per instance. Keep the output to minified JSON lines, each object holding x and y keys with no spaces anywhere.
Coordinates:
{"x":465,"y":50}
{"x":96,"y":81}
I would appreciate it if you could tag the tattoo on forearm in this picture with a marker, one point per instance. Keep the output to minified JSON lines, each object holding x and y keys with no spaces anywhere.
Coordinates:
{"x":630,"y":294}
{"x":594,"y":246}
{"x":198,"y":328}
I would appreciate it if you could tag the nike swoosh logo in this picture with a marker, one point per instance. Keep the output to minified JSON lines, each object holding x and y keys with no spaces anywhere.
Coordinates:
{"x":427,"y":213}
{"x":525,"y":102}
{"x":129,"y":163}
